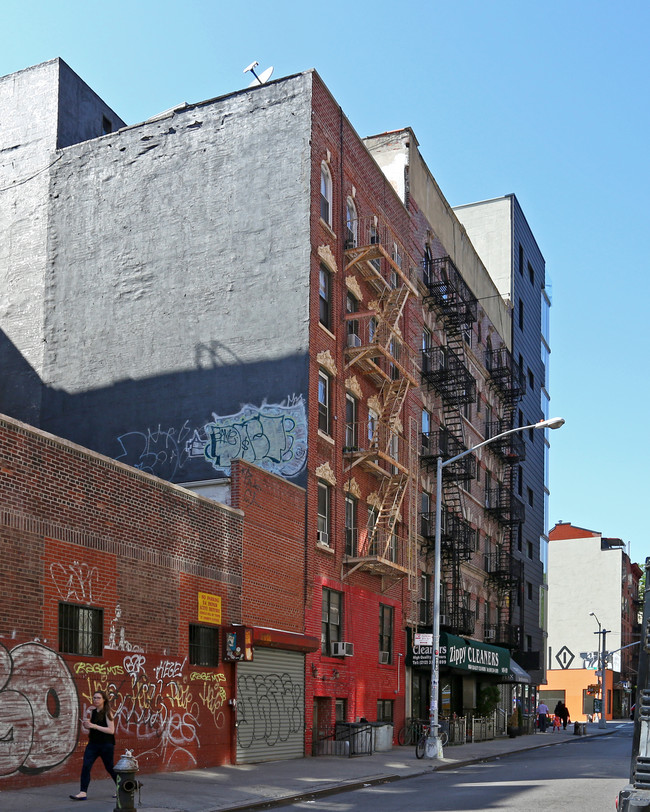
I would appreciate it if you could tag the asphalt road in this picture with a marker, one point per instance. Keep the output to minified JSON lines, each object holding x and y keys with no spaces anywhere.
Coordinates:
{"x":583,"y":775}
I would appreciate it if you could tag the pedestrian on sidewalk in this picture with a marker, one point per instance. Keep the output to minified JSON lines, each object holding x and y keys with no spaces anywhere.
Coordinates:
{"x":101,"y":741}
{"x":562,"y":711}
{"x":542,"y":716}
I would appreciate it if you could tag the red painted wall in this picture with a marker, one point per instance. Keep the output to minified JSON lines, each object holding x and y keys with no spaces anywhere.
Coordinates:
{"x":79,"y":528}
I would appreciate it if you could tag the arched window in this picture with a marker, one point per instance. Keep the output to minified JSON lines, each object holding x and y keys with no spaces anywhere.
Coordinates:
{"x":325,"y":194}
{"x":351,"y":224}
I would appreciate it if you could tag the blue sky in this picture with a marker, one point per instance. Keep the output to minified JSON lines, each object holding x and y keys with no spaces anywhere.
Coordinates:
{"x":548,"y":100}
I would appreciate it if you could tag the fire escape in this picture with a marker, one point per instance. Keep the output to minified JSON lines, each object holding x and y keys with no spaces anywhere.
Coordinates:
{"x":382,"y":445}
{"x":504,"y":570}
{"x":444,"y":370}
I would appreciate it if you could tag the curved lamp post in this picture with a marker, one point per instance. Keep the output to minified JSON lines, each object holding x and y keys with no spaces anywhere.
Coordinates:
{"x":434,"y":746}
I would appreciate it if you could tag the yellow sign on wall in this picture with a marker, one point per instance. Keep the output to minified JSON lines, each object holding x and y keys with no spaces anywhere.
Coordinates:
{"x":209,"y":608}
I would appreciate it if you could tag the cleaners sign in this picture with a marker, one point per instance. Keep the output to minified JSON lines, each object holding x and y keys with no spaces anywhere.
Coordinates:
{"x":465,"y":655}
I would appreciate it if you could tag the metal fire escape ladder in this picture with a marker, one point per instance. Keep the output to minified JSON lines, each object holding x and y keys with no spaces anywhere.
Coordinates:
{"x":449,"y":296}
{"x":382,"y":355}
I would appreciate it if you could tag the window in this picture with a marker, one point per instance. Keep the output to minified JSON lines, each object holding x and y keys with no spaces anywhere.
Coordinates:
{"x":351,"y":224}
{"x":427,"y":341}
{"x":373,"y":417}
{"x":351,"y":306}
{"x":81,"y":630}
{"x":426,"y":432}
{"x":324,"y":402}
{"x":531,"y":496}
{"x":529,"y":549}
{"x":323,"y":535}
{"x":531,"y":380}
{"x":325,"y":297}
{"x":529,"y":642}
{"x":331,"y":623}
{"x":372,"y":521}
{"x":385,"y":711}
{"x":351,"y":526}
{"x":397,"y":259}
{"x":427,"y":522}
{"x":204,"y":645}
{"x":325,"y":194}
{"x":531,"y":273}
{"x":385,"y":633}
{"x":427,"y":266}
{"x":107,"y":126}
{"x":529,"y":590}
{"x":521,"y":259}
{"x":374,"y":240}
{"x":351,"y":426}
{"x":521,"y":315}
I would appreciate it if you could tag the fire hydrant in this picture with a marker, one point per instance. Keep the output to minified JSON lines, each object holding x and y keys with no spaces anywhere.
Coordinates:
{"x":126,"y":782}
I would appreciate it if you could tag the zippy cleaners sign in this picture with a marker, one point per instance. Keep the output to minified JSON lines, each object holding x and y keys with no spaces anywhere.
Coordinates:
{"x":466,"y":655}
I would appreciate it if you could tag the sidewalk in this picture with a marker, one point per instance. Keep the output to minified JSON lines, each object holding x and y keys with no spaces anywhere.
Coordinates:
{"x":257,"y":786}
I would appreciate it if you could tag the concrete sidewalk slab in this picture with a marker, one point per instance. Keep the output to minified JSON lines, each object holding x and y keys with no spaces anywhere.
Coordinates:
{"x":259,"y":786}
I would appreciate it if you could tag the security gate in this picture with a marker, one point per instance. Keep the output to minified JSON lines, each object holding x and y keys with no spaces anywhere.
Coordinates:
{"x":271,"y":706}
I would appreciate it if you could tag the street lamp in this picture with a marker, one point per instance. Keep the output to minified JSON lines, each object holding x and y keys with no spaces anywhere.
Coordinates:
{"x":434,"y":746}
{"x":602,"y":659}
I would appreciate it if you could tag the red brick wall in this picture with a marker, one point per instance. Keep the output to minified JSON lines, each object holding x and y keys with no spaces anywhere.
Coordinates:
{"x":273,"y":592}
{"x":79,"y":528}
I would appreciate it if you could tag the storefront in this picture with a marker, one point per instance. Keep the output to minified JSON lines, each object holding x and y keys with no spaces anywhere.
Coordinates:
{"x":465,"y":666}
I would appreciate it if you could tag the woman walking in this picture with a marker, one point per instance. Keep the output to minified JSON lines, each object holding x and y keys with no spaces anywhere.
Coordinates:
{"x":101,"y":741}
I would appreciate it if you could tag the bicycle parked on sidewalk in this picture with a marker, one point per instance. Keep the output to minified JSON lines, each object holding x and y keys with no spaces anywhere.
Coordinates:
{"x":411,"y":732}
{"x":443,"y":735}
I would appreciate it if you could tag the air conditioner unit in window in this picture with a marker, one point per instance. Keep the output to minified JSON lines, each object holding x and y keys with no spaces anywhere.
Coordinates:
{"x":342,"y":649}
{"x":384,"y":657}
{"x":490,"y":634}
{"x":323,"y":537}
{"x":353,"y":340}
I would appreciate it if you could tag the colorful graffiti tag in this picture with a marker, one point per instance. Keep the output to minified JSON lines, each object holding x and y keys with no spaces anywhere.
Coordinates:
{"x":160,"y":705}
{"x":39,"y":710}
{"x":273,"y":436}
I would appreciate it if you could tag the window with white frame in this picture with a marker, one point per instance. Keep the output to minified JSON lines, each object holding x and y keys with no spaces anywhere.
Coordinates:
{"x":325,"y":296}
{"x":351,"y":546}
{"x":351,"y":434}
{"x":332,"y":619}
{"x":385,"y":633}
{"x":324,"y":402}
{"x":325,"y":194}
{"x":351,"y":224}
{"x":323,"y":534}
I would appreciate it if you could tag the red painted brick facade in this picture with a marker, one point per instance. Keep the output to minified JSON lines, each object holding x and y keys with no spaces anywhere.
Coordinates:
{"x":80,"y":529}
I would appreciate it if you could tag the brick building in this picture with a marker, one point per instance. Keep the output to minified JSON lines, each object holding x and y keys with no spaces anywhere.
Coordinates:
{"x":605,"y":596}
{"x":117,"y":580}
{"x":244,"y":279}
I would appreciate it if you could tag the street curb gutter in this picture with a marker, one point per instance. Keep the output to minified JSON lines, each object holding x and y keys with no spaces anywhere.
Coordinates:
{"x":389,"y":779}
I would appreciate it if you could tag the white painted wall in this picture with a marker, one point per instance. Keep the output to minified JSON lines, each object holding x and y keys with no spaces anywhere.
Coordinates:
{"x":582,"y":578}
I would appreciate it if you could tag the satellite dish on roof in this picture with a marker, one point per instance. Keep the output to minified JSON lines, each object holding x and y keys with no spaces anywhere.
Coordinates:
{"x":263,"y":78}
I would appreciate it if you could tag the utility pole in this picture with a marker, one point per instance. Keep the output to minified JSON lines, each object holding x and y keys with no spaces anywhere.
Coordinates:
{"x":602,"y":659}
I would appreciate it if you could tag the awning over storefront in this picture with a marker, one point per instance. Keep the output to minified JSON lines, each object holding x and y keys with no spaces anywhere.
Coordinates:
{"x":458,"y":653}
{"x":517,"y":674}
{"x":470,"y":655}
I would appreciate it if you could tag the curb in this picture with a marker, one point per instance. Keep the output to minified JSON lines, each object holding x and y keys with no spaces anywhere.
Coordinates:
{"x":389,"y":779}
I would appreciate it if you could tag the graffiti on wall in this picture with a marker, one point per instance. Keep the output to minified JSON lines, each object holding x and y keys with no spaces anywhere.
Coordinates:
{"x":39,"y":710}
{"x":159,"y":703}
{"x":77,"y":582}
{"x":273,"y":436}
{"x":157,"y":451}
{"x":269,"y":709}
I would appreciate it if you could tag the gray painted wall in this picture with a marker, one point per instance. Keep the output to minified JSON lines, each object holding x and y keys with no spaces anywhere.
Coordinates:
{"x":176,"y":284}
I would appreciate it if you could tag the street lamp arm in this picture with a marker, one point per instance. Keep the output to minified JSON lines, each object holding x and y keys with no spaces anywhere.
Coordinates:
{"x":553,"y":423}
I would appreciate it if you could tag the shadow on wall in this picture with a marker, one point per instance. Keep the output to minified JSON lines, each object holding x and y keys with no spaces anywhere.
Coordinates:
{"x":182,"y":427}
